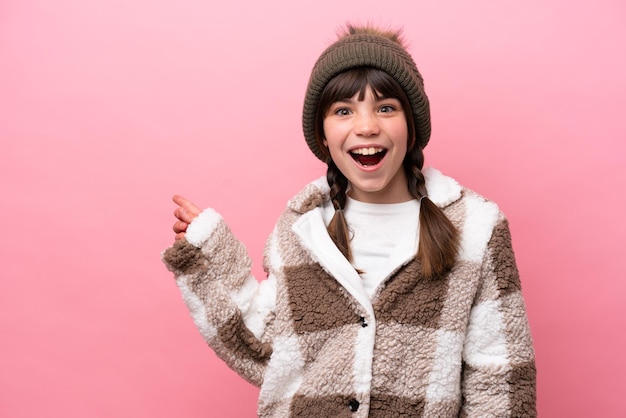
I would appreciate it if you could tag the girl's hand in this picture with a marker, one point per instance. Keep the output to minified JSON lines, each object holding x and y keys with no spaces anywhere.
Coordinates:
{"x":185,"y":213}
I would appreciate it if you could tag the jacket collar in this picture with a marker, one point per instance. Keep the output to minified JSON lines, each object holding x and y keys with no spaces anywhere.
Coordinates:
{"x":442,"y":191}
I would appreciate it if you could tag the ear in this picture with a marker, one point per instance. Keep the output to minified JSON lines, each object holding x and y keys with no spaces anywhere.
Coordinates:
{"x":325,"y":142}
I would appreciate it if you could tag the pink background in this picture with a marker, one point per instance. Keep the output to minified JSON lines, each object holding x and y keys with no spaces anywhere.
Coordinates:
{"x":109,"y":107}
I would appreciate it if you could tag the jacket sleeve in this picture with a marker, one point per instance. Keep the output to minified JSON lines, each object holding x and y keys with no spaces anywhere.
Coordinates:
{"x":232,"y":311}
{"x":498,"y":357}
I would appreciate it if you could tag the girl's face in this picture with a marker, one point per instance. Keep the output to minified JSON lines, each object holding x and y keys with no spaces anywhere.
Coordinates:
{"x":367,"y":140}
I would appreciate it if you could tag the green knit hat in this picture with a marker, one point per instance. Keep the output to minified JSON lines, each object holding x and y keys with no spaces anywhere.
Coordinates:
{"x":367,"y":50}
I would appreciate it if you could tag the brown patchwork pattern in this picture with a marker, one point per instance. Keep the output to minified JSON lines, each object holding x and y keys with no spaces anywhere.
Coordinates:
{"x":456,"y":212}
{"x":501,"y":390}
{"x":522,"y":394}
{"x":326,"y":352}
{"x":184,"y":258}
{"x":462,"y":286}
{"x":516,"y":329}
{"x":292,"y":253}
{"x":403,"y":356}
{"x":448,"y":408}
{"x":503,"y":259}
{"x":489,"y":390}
{"x":230,"y":263}
{"x":238,"y":339}
{"x":410,"y":299}
{"x":385,"y":406}
{"x":316,"y":300}
{"x":323,"y":340}
{"x":329,"y":360}
{"x":324,"y":406}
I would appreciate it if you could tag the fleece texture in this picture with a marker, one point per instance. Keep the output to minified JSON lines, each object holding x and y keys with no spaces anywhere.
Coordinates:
{"x":318,"y":346}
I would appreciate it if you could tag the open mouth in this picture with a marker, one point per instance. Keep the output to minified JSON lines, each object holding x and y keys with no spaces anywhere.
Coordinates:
{"x":368,"y":156}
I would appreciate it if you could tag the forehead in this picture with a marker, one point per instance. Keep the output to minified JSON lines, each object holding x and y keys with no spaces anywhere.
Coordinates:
{"x":365,"y":94}
{"x":363,"y":81}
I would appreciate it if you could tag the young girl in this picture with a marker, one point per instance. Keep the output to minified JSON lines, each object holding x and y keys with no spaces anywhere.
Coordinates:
{"x":391,"y":290}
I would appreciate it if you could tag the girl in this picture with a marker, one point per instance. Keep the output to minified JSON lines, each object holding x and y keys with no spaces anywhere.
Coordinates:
{"x":391,"y":290}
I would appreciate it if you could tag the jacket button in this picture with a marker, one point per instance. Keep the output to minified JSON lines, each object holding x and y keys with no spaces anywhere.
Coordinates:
{"x":353,"y":405}
{"x":362,"y":321}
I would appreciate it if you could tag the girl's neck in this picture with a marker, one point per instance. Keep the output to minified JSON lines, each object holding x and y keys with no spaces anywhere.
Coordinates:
{"x":397,"y":191}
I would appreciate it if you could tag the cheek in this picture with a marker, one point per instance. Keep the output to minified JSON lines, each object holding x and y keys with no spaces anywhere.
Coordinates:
{"x":325,"y":130}
{"x":401,"y":132}
{"x":331,"y":134}
{"x":334,"y":149}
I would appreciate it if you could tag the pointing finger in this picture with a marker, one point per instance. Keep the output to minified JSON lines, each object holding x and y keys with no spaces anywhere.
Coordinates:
{"x":181,"y":201}
{"x":186,"y":211}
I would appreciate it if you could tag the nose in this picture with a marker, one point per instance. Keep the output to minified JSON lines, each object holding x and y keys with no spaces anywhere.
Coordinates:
{"x":366,"y":124}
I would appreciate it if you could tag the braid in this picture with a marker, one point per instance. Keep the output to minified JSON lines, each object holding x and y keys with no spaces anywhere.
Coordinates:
{"x":338,"y":227}
{"x":413,"y":163}
{"x":438,"y":237}
{"x":338,"y":185}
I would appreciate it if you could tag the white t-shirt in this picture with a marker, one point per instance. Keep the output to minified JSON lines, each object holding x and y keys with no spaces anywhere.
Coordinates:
{"x":380,"y":231}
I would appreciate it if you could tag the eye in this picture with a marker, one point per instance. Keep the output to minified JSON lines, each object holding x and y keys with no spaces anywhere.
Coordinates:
{"x":389,"y":105}
{"x":341,"y":111}
{"x":386,"y":108}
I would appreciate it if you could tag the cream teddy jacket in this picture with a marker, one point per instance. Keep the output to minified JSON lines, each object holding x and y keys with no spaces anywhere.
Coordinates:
{"x":318,"y":346}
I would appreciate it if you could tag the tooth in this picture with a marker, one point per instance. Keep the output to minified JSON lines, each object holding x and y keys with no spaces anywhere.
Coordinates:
{"x":367,"y":151}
